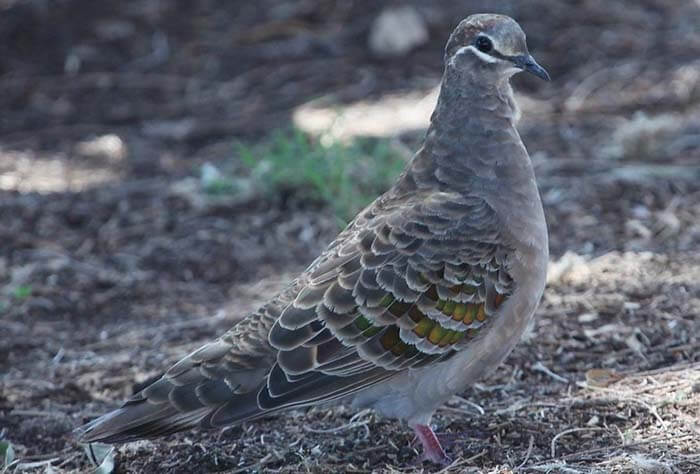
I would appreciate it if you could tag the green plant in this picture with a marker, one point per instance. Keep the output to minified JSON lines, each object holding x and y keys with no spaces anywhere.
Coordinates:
{"x":7,"y":455}
{"x":22,"y":292}
{"x":215,"y":183}
{"x":101,"y":456}
{"x":347,"y":176}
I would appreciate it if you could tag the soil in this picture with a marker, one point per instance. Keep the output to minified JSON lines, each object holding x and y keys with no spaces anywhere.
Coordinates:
{"x":114,"y":264}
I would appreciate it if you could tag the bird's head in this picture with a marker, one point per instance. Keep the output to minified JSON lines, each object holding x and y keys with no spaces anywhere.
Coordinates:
{"x":491,"y":44}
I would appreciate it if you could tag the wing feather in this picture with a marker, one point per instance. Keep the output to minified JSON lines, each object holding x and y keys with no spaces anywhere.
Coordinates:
{"x":412,"y":285}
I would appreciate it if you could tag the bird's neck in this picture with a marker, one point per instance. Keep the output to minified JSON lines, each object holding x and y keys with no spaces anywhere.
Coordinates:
{"x":474,"y":107}
{"x":470,"y":96}
{"x":472,"y":139}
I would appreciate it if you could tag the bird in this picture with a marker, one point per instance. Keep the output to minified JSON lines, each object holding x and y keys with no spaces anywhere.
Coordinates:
{"x":426,"y":290}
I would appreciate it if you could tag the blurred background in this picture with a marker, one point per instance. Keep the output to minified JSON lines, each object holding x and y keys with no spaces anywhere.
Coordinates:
{"x":165,"y":166}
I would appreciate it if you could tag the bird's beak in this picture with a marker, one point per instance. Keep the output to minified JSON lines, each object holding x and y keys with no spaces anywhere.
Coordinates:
{"x":528,"y":63}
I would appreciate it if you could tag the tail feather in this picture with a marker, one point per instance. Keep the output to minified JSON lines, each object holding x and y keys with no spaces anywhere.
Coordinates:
{"x":188,"y":395}
{"x":139,"y":420}
{"x":186,"y":407}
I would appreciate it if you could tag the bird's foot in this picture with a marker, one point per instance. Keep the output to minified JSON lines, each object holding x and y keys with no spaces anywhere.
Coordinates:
{"x":432,"y":449}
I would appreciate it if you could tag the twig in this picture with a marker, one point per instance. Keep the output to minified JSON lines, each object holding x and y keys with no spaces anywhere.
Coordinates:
{"x":539,"y":366}
{"x":566,"y":432}
{"x":520,"y":405}
{"x":338,"y":429}
{"x":629,"y":445}
{"x":560,"y":467}
{"x":623,"y":397}
{"x":460,"y":462}
{"x":47,"y":414}
{"x":527,"y":455}
{"x":470,"y":403}
{"x":32,"y":465}
{"x":252,"y":467}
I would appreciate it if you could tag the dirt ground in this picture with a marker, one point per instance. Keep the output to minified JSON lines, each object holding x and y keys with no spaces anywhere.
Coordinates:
{"x":112,"y":265}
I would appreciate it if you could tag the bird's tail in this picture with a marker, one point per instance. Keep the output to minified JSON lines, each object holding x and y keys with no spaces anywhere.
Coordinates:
{"x":139,"y":421}
{"x":143,"y":417}
{"x":197,"y":391}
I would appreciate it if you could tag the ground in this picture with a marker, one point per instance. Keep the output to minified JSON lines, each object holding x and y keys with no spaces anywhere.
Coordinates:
{"x":114,"y":263}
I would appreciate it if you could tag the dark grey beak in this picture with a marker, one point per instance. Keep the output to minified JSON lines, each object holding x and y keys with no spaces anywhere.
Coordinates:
{"x":528,"y":63}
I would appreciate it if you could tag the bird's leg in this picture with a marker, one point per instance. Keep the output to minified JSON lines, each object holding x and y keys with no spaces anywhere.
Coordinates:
{"x":432,"y":450}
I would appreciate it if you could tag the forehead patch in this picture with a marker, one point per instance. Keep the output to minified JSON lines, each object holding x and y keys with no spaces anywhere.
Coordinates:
{"x":506,"y":34}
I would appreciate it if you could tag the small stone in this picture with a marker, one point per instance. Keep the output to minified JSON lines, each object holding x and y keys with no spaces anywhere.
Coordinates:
{"x":634,"y":343}
{"x":587,"y":317}
{"x":397,"y":31}
{"x":108,"y":146}
{"x":594,"y":421}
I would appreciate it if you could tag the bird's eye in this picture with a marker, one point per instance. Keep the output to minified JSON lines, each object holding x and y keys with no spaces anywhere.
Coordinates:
{"x":483,"y":44}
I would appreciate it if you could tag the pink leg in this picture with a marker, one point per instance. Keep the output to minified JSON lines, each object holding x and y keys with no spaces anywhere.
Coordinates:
{"x":431,"y":445}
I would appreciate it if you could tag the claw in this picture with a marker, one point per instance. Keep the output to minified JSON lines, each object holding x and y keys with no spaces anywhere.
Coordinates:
{"x":432,"y":450}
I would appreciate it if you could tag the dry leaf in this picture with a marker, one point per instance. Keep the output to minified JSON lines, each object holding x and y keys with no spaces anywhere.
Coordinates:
{"x":601,"y":377}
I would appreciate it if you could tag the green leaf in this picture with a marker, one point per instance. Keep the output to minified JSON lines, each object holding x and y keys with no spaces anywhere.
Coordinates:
{"x":102,"y":456}
{"x":22,"y":292}
{"x":7,"y":455}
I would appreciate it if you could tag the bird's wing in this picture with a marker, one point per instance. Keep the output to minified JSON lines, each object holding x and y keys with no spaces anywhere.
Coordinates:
{"x":407,"y":284}
{"x":411,"y":282}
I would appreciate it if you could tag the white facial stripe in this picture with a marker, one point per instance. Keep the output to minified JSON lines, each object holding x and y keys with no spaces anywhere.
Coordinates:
{"x":479,"y":54}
